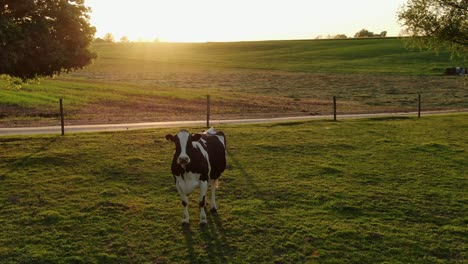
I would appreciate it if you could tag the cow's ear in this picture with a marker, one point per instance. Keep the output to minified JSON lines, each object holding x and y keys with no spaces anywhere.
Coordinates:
{"x":196,"y":137}
{"x":169,"y":137}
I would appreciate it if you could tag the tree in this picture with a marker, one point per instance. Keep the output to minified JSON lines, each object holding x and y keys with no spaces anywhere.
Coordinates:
{"x":108,"y":37}
{"x":124,"y":39}
{"x":44,"y":37}
{"x":99,"y":40}
{"x":364,"y":33}
{"x":340,"y":36}
{"x":433,"y":24}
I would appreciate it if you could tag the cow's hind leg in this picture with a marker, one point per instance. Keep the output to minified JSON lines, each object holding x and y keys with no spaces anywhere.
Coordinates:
{"x":214,"y":185}
{"x":201,"y":201}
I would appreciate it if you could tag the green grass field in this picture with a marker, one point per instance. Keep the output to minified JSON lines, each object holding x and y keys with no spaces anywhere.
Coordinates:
{"x":138,"y":82}
{"x":382,"y":190}
{"x":389,"y":56}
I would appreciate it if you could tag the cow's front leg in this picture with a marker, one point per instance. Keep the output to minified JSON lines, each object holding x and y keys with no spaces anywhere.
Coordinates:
{"x":184,"y":199}
{"x":186,"y":219}
{"x":201,"y":201}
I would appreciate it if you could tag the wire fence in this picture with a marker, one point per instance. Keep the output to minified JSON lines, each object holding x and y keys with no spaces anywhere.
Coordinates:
{"x":210,"y":108}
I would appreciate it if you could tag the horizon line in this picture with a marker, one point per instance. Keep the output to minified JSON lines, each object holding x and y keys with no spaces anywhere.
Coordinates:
{"x":239,"y":41}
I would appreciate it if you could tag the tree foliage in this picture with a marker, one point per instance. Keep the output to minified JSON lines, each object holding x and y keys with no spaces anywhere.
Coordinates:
{"x":124,"y":39}
{"x":44,"y":37}
{"x":364,"y":33}
{"x":340,"y":36}
{"x":436,"y":23}
{"x":108,"y":37}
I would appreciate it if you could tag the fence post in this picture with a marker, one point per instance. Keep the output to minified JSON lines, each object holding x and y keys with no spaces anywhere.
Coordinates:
{"x":419,"y":105}
{"x":334,"y":108}
{"x":208,"y":111}
{"x":61,"y":117}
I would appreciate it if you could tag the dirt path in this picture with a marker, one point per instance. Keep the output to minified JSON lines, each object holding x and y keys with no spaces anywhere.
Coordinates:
{"x":198,"y":123}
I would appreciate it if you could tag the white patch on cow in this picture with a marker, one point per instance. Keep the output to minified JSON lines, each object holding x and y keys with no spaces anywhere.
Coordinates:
{"x":213,"y":185}
{"x":221,"y":138}
{"x":203,"y":190}
{"x":183,"y":139}
{"x":184,"y":199}
{"x":187,"y":183}
{"x":210,"y":131}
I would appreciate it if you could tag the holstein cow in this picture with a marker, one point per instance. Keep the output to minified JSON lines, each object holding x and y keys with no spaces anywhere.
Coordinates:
{"x":198,"y":158}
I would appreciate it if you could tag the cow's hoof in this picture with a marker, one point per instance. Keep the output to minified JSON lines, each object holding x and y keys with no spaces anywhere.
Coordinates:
{"x":214,"y":211}
{"x":185,"y":222}
{"x":203,"y":222}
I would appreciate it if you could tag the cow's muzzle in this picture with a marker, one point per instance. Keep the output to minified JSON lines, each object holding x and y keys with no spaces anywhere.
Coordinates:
{"x":183,"y":160}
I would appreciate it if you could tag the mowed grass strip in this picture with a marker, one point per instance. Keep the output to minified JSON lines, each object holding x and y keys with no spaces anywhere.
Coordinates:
{"x":358,"y":191}
{"x":77,"y":93}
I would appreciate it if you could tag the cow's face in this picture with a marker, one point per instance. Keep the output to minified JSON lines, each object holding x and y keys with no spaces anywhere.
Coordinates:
{"x":183,"y":141}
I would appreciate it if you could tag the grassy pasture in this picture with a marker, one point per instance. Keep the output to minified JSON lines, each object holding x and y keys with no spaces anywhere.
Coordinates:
{"x":389,"y":56}
{"x":357,"y":191}
{"x":160,"y":81}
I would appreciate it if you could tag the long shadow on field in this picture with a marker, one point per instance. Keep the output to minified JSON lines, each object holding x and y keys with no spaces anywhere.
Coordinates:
{"x":213,"y":239}
{"x":213,"y":242}
{"x":21,"y":163}
{"x":235,"y":164}
{"x":252,"y":189}
{"x":189,"y":242}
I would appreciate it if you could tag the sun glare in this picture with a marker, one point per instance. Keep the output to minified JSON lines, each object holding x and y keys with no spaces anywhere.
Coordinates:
{"x":225,"y":20}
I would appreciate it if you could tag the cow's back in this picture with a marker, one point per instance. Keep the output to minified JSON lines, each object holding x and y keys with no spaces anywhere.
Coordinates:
{"x":215,"y":146}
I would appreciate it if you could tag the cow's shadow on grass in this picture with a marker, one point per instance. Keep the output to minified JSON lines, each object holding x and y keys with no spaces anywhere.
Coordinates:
{"x":26,"y":160}
{"x":247,"y":177}
{"x":209,"y":240}
{"x":212,"y":239}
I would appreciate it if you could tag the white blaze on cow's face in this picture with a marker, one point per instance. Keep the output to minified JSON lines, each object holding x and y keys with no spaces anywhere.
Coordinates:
{"x":184,"y":138}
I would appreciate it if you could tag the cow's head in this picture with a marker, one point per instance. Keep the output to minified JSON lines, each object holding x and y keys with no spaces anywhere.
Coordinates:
{"x":183,"y":141}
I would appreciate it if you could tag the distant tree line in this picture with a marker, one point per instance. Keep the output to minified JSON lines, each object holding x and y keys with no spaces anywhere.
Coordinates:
{"x":109,"y":38}
{"x":363,"y":33}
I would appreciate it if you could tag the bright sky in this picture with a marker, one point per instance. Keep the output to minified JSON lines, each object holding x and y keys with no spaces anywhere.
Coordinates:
{"x":241,"y":20}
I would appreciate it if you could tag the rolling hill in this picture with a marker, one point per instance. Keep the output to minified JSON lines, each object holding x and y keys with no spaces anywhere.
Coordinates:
{"x":135,"y":82}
